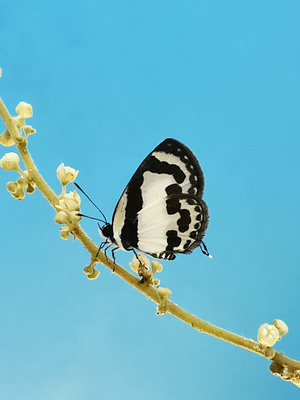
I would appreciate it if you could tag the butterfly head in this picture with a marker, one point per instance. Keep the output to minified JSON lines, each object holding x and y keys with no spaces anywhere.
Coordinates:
{"x":106,"y":231}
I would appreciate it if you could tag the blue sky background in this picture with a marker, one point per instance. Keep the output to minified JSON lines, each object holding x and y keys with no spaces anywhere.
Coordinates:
{"x":108,"y":81}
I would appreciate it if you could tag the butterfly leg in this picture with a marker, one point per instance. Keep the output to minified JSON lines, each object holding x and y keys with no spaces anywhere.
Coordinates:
{"x":137,"y":257}
{"x":114,"y":257}
{"x":102,"y":245}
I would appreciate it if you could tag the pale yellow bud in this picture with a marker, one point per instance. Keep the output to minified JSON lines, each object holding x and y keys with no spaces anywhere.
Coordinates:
{"x":20,"y":122}
{"x":66,"y":174}
{"x":267,"y":334}
{"x":6,"y":139}
{"x":10,"y":161}
{"x":281,"y":326}
{"x":69,"y":202}
{"x":24,"y":109}
{"x":28,"y":130}
{"x":164,"y":293}
{"x":156,"y":266}
{"x":61,"y":217}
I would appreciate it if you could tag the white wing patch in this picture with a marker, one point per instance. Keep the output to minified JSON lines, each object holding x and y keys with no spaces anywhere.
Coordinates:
{"x":159,"y":232}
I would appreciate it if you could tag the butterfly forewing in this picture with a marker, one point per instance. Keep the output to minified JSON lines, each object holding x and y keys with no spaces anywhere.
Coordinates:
{"x":161,"y":211}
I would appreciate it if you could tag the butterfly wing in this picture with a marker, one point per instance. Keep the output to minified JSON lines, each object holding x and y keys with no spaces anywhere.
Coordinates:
{"x":161,"y":211}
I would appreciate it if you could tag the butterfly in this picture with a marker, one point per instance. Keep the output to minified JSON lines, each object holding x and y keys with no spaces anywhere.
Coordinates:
{"x":161,"y":211}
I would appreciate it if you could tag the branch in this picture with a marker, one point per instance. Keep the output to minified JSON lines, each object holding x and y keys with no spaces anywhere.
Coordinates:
{"x":281,"y":365}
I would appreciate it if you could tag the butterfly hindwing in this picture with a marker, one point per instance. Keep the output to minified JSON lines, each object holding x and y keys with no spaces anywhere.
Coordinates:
{"x":161,"y":211}
{"x":177,"y":228}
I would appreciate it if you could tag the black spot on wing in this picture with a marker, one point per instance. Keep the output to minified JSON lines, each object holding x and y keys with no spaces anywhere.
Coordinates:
{"x":173,"y":189}
{"x":184,"y":221}
{"x":173,"y":205}
{"x":173,"y":240}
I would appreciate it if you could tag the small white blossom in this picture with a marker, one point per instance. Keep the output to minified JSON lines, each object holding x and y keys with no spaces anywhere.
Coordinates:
{"x":69,"y":202}
{"x":10,"y":161}
{"x":281,"y":326}
{"x":66,"y":174}
{"x":24,"y":109}
{"x":268,"y":335}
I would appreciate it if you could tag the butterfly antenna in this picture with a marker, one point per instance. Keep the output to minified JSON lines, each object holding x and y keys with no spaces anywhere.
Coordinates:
{"x":205,"y":250}
{"x":82,"y":191}
{"x":87,"y":216}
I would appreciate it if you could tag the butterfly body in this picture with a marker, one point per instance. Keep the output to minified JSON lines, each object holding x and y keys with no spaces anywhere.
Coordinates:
{"x":161,"y":211}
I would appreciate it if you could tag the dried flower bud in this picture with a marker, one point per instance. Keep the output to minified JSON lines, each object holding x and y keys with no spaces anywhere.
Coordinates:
{"x":281,"y":326}
{"x":64,"y":233}
{"x":267,"y":335}
{"x":91,"y":272}
{"x":136,"y":264}
{"x":24,"y":109}
{"x":93,"y":275}
{"x":30,"y":188}
{"x":66,"y":174}
{"x":15,"y":190}
{"x":10,"y":161}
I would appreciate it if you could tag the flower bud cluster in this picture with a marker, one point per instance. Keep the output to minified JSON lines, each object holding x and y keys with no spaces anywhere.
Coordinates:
{"x":24,"y":110}
{"x":69,"y":203}
{"x":67,"y":211}
{"x":10,"y":162}
{"x":140,"y":266}
{"x":268,"y":335}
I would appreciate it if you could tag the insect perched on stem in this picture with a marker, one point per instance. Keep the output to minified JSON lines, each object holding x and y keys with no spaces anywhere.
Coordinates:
{"x":161,"y":211}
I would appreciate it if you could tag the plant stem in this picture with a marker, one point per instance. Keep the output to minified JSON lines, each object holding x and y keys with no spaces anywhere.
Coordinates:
{"x":290,"y":369}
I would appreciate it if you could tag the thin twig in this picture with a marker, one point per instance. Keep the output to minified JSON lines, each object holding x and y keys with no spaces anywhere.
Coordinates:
{"x":282,"y":366}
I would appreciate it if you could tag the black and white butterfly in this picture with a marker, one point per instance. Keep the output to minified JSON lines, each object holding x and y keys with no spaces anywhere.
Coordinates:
{"x":161,"y":211}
